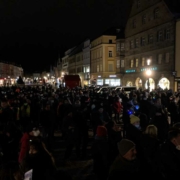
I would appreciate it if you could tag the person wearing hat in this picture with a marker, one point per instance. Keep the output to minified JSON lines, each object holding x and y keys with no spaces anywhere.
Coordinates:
{"x":126,"y":165}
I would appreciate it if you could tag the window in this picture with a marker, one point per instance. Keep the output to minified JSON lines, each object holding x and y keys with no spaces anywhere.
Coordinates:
{"x":143,"y":61}
{"x":167,"y":57}
{"x":134,"y":24}
{"x":132,"y":44}
{"x":118,"y":63}
{"x":160,"y":36}
{"x":110,"y":67}
{"x":144,"y":19}
{"x":122,"y":63}
{"x":143,"y":41}
{"x":156,"y":13}
{"x":150,"y":38}
{"x":148,"y":61}
{"x":101,"y":68}
{"x":97,"y":68}
{"x":159,"y":58}
{"x":137,"y":43}
{"x":138,"y":3}
{"x":110,"y":41}
{"x":122,"y":46}
{"x":110,"y":54}
{"x":118,"y":47}
{"x":132,"y":63}
{"x":167,"y":33}
{"x":136,"y":62}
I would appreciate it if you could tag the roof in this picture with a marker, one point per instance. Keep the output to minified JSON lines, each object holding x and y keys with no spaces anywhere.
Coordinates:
{"x":174,"y":7}
{"x":112,"y":31}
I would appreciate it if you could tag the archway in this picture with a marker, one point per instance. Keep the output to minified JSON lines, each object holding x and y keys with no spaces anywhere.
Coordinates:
{"x":164,"y":83}
{"x":138,"y":83}
{"x":151,"y":84}
{"x":129,"y":83}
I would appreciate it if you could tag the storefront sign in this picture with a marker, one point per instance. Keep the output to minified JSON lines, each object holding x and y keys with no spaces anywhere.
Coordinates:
{"x":130,"y":71}
{"x":152,"y":69}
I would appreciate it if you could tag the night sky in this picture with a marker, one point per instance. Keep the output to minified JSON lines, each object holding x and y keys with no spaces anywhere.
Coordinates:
{"x":34,"y":33}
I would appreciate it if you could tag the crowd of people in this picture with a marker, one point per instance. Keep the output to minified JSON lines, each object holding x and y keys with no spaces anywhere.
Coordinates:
{"x":135,"y":135}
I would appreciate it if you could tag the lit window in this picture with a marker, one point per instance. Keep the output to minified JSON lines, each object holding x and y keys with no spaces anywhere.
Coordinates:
{"x":148,"y":62}
{"x":122,"y":63}
{"x":97,"y":68}
{"x":143,"y":61}
{"x":132,"y":63}
{"x":136,"y":62}
{"x":118,"y":63}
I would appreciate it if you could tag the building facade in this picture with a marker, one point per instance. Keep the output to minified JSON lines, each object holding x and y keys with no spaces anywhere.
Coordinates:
{"x":103,"y":61}
{"x":150,"y":46}
{"x":86,"y":62}
{"x":9,"y":73}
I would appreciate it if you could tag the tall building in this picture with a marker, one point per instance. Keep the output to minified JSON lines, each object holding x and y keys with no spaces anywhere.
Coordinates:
{"x":103,"y":59}
{"x":86,"y":61}
{"x":150,"y":45}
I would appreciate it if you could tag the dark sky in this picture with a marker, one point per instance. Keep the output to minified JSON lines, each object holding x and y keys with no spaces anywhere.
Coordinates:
{"x":34,"y":32}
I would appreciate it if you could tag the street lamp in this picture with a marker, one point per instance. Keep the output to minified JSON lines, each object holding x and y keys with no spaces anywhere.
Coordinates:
{"x":148,"y":73}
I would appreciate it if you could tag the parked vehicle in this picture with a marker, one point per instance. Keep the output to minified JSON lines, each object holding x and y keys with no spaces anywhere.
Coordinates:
{"x":126,"y":89}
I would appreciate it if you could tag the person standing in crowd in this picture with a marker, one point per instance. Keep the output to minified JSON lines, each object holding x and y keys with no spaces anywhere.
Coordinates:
{"x":169,"y":155}
{"x":126,"y":164}
{"x":100,"y":150}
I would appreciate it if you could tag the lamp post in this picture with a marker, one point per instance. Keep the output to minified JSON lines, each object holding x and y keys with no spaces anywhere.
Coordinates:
{"x":148,"y":73}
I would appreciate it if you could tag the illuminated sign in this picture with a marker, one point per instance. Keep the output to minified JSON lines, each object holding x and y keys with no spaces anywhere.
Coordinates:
{"x":112,"y":75}
{"x":130,"y":71}
{"x":152,"y":69}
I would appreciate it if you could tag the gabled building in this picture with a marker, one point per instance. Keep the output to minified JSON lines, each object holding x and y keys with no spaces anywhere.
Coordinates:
{"x":103,"y":59}
{"x":151,"y":55}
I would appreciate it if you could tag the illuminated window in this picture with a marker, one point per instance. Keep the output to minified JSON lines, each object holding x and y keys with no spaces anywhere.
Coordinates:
{"x":143,"y":61}
{"x":97,"y":68}
{"x":136,"y":62}
{"x":118,"y":63}
{"x":122,"y":63}
{"x":132,"y":63}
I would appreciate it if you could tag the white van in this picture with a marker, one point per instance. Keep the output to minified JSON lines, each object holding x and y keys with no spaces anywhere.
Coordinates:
{"x":127,"y":89}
